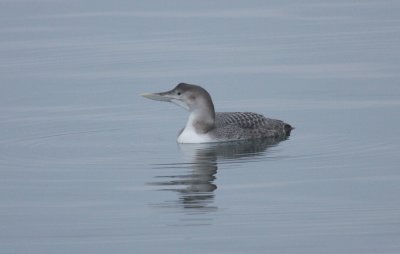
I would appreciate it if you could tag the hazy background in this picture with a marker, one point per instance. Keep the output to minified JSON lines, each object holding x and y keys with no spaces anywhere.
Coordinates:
{"x":88,"y":166}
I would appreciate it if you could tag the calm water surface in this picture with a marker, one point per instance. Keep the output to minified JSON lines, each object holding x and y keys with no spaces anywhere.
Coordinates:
{"x":88,"y":166}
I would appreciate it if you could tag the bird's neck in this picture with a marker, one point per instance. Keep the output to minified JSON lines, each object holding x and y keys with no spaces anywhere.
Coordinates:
{"x":201,"y":120}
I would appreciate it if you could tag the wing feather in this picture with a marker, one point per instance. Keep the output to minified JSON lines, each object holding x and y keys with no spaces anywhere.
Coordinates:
{"x":246,"y":120}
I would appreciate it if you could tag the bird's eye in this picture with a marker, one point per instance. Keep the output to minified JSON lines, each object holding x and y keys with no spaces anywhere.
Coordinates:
{"x":179,"y":93}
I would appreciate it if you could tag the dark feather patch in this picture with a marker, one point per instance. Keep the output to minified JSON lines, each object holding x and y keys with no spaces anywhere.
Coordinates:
{"x":248,"y":125}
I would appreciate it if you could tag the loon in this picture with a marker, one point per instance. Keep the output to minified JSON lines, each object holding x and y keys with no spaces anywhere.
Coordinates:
{"x":206,"y":126}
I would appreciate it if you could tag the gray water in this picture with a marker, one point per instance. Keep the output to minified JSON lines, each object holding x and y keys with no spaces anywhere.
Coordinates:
{"x":88,"y":166}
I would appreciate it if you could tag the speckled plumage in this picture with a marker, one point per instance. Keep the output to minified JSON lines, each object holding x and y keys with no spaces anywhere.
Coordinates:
{"x":247,"y":125}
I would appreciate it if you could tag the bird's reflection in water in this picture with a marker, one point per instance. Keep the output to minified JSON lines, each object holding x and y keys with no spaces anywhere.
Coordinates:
{"x":196,"y":185}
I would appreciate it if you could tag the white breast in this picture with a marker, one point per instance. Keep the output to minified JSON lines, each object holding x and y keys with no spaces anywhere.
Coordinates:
{"x":189,"y":134}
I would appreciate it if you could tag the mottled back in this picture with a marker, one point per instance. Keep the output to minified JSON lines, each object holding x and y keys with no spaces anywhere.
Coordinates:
{"x":248,"y":125}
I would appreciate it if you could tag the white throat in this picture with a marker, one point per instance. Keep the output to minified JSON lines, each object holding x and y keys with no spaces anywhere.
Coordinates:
{"x":189,"y":133}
